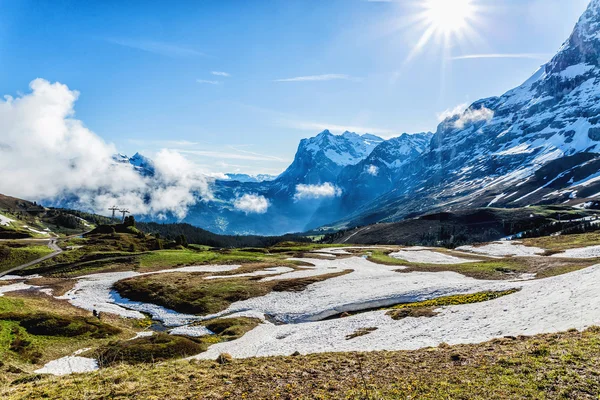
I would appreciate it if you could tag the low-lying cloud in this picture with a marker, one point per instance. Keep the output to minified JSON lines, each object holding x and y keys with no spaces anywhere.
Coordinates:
{"x":372,"y":170}
{"x":304,"y":192}
{"x":252,"y":204}
{"x":464,"y":115}
{"x":48,"y":154}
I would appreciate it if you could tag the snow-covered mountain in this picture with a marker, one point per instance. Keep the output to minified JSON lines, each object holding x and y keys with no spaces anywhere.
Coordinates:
{"x":321,"y":158}
{"x":536,"y":143}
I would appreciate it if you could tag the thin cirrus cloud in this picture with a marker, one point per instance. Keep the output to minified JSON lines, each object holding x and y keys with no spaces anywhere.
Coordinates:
{"x":319,"y":78}
{"x":236,"y":155}
{"x":531,"y":56}
{"x":207,"y":82}
{"x":157,"y":47}
{"x":221,"y":73}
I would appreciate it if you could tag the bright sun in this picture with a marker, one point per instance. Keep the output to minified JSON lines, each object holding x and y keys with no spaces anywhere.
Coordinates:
{"x":445,"y":22}
{"x":449,"y":16}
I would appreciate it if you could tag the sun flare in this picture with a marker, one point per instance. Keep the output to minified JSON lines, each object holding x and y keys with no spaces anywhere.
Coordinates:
{"x":449,"y":16}
{"x":445,"y":22}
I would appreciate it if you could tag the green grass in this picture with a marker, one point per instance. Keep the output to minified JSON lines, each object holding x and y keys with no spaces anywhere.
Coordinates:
{"x":555,"y":244}
{"x":172,"y":258}
{"x":553,"y":366}
{"x":160,"y":346}
{"x":11,"y":257}
{"x":35,"y":330}
{"x":425,"y":308}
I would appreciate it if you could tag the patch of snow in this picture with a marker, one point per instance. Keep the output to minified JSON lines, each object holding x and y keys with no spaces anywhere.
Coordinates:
{"x":429,"y":257}
{"x":15,"y":287}
{"x":584,"y":252}
{"x":504,"y":248}
{"x":142,"y":334}
{"x":266,"y":271}
{"x":69,"y":365}
{"x":334,"y":251}
{"x":192,"y":331}
{"x":5,"y":221}
{"x":496,"y":199}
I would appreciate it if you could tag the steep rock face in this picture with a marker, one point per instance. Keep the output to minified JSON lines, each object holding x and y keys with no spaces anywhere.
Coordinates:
{"x":321,"y":158}
{"x":387,"y":167}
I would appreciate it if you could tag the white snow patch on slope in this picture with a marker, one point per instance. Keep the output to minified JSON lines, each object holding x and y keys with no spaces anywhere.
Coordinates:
{"x":5,"y":221}
{"x":69,"y":365}
{"x":429,"y":257}
{"x":15,"y":287}
{"x":262,"y":272}
{"x":584,"y":252}
{"x":543,"y":306}
{"x":505,"y":248}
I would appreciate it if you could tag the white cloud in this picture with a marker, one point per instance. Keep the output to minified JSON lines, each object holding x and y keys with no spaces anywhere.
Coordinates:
{"x":252,"y":204}
{"x":220,"y":73}
{"x":465,"y":115}
{"x":209,"y":82}
{"x":161,"y":48}
{"x":372,"y":170}
{"x":451,"y":112}
{"x":534,"y":56}
{"x":314,"y":78}
{"x":47,"y":154}
{"x":316,"y":191}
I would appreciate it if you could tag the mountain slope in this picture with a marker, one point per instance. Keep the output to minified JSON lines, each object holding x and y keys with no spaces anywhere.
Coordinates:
{"x":537,"y":143}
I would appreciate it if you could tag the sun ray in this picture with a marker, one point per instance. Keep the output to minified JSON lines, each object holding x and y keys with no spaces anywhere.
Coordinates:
{"x":445,"y":23}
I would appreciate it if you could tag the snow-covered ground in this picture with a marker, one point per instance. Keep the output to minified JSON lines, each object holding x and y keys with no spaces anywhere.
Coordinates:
{"x":504,"y":248}
{"x":369,"y":285}
{"x":262,"y":272}
{"x":94,"y":292}
{"x":547,"y":305}
{"x":584,"y":252}
{"x":15,"y":287}
{"x":429,"y":257}
{"x":5,"y":221}
{"x":69,"y":365}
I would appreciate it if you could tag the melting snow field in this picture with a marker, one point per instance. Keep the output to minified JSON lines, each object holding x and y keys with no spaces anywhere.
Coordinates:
{"x":549,"y":305}
{"x":297,"y":321}
{"x":369,"y":285}
{"x":429,"y":257}
{"x":505,"y":248}
{"x":585,"y":252}
{"x":94,"y":292}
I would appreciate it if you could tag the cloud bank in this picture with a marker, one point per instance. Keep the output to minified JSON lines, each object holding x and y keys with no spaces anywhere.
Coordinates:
{"x":252,"y":204}
{"x":305,"y":192}
{"x":47,"y":154}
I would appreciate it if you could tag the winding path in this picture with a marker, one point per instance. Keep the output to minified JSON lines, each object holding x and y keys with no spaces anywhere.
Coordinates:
{"x":52,"y":245}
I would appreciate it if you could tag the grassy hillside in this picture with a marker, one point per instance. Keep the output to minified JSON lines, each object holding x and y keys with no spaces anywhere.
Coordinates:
{"x":453,"y":229}
{"x":553,"y":366}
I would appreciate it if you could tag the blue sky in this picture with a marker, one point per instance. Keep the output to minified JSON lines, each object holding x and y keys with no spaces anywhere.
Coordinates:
{"x":234,"y":85}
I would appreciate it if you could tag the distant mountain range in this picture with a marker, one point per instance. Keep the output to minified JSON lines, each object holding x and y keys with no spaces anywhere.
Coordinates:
{"x":538,"y":143}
